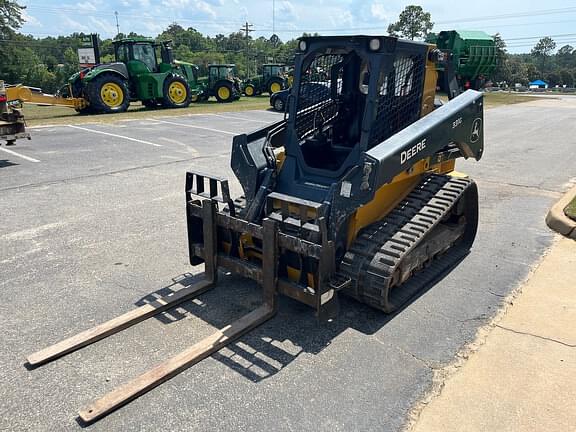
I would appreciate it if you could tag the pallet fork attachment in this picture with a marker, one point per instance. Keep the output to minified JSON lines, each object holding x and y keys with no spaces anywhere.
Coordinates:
{"x":206,"y":347}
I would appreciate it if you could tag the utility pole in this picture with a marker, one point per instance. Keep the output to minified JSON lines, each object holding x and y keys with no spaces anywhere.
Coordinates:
{"x":117,"y":25}
{"x":273,"y":16}
{"x":247,"y":29}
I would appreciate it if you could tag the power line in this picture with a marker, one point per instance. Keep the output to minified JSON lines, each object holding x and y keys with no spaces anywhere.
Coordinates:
{"x":58,"y":10}
{"x":540,"y":37}
{"x":459,"y":20}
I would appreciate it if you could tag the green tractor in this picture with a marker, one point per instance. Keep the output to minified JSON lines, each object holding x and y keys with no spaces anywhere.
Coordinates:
{"x":222,"y":83}
{"x":144,"y":70}
{"x":272,"y":80}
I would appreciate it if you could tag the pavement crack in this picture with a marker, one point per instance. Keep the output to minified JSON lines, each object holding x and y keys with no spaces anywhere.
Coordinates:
{"x":536,"y":336}
{"x":418,"y":359}
{"x":497,"y":295}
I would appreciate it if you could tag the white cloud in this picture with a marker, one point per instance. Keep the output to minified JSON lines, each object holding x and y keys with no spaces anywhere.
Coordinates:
{"x":106,"y":27}
{"x":286,"y":12}
{"x":379,"y":12}
{"x":344,"y":18}
{"x":204,"y":7}
{"x":85,"y":6}
{"x":72,"y":25}
{"x":176,"y":4}
{"x":31,"y":20}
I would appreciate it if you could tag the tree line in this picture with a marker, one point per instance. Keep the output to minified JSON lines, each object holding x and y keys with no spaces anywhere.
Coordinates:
{"x":48,"y":62}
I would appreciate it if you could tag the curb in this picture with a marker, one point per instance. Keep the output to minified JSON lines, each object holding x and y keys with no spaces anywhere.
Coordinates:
{"x":558,"y":221}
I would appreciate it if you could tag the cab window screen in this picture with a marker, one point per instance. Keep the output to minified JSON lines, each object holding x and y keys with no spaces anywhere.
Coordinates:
{"x":320,"y":81}
{"x":399,"y":97}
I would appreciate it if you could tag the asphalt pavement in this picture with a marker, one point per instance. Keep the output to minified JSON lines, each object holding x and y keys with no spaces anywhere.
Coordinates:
{"x":93,"y":223}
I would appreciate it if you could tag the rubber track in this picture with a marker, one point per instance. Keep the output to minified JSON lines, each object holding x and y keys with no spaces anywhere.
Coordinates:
{"x":378,"y":250}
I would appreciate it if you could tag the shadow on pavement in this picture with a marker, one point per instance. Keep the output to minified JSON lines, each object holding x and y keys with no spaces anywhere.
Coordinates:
{"x":272,"y":346}
{"x":4,"y":163}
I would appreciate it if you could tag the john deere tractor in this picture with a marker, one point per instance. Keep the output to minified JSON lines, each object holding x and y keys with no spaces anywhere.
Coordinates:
{"x":221,"y":82}
{"x":144,"y":70}
{"x":271,"y":81}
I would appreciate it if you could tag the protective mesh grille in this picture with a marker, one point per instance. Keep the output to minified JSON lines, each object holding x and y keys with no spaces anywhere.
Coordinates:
{"x":399,"y":99}
{"x":314,"y":101}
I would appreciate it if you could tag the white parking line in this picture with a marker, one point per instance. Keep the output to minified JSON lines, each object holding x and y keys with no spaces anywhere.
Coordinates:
{"x":13,"y":153}
{"x":241,"y":118}
{"x":197,"y":127}
{"x":116,"y":136}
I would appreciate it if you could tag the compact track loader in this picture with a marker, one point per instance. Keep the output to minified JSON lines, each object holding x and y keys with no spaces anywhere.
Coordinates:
{"x":353,"y":192}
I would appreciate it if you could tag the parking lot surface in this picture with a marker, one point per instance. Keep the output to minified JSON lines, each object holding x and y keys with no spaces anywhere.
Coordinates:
{"x":93,"y":223}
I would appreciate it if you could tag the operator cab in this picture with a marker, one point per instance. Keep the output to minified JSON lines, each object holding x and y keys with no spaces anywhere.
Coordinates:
{"x":272,"y":70}
{"x":350,"y":94}
{"x":221,"y":72}
{"x":143,"y":55}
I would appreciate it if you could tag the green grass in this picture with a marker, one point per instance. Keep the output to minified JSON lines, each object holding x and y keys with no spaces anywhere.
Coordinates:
{"x":570,"y":209}
{"x":49,"y":115}
{"x":495,"y":99}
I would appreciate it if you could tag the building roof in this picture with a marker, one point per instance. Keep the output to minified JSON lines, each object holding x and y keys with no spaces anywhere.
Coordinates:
{"x":538,"y":82}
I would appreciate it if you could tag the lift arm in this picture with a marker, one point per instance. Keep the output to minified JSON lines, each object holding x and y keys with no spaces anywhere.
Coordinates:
{"x":24,"y":94}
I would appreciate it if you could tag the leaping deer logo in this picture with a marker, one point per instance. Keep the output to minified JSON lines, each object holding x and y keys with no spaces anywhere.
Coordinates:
{"x":476,"y":130}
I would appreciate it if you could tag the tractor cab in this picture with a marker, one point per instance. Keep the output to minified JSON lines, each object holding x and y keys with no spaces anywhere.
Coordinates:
{"x":143,"y":55}
{"x":217,"y":72}
{"x":272,"y":70}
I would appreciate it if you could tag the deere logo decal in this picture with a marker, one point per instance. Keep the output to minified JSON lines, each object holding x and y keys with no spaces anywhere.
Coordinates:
{"x":476,"y":130}
{"x":412,"y":151}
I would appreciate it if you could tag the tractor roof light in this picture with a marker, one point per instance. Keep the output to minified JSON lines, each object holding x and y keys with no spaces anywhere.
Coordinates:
{"x":302,"y":45}
{"x":374,"y":44}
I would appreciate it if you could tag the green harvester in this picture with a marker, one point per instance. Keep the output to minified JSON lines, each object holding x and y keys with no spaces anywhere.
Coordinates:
{"x":473,"y":56}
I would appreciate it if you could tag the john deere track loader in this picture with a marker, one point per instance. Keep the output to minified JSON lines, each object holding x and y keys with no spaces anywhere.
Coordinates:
{"x":353,"y":192}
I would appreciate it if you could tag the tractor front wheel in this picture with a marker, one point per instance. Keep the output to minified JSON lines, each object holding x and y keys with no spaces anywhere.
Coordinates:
{"x":108,"y":94}
{"x":224,"y":92}
{"x":249,"y":90}
{"x":275,"y":85}
{"x":176,"y":93}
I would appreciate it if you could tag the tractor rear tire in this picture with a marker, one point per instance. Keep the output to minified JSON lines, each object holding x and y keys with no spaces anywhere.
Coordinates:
{"x":176,"y":93}
{"x":250,"y":90}
{"x":224,"y":92}
{"x":108,"y":93}
{"x":275,"y":85}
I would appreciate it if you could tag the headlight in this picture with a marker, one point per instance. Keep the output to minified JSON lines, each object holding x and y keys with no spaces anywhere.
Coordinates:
{"x":302,"y":45}
{"x":374,"y":44}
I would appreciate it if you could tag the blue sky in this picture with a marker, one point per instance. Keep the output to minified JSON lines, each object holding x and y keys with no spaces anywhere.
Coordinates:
{"x":520,"y":24}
